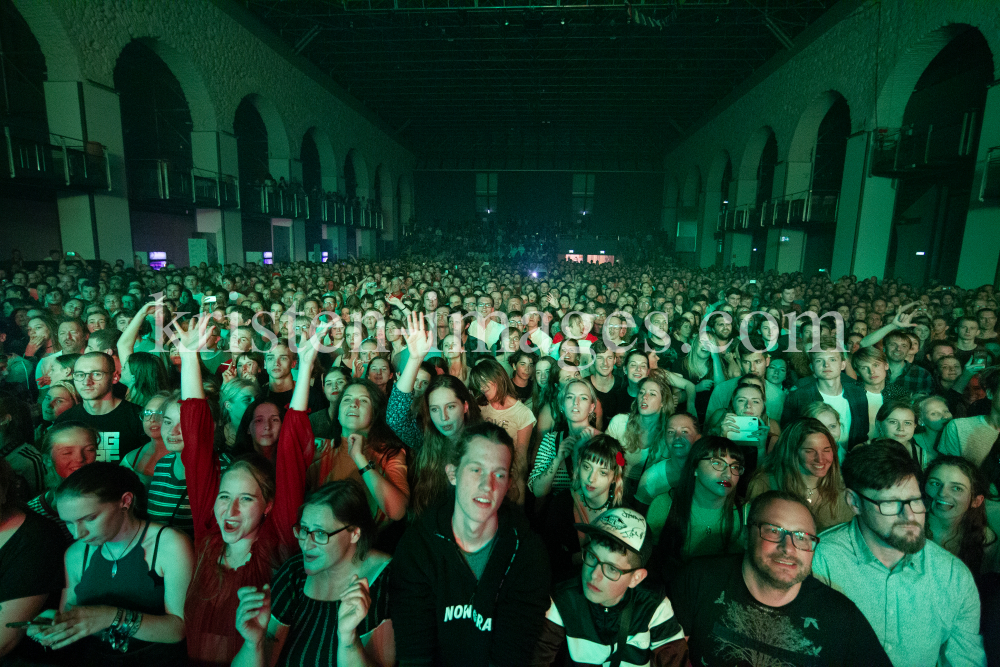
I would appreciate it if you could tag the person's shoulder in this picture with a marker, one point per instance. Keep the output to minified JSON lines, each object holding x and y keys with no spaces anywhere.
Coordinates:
{"x":41,"y":534}
{"x":172,"y":541}
{"x":836,"y":538}
{"x":617,"y":423}
{"x":75,"y":412}
{"x":129,"y":407}
{"x":946,"y":569}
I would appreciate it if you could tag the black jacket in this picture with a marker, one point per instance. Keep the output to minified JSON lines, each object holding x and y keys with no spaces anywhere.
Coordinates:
{"x":442,"y":616}
{"x":805,"y":392}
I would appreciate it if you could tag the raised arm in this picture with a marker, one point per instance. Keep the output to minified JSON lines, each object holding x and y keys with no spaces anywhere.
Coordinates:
{"x":126,"y":343}
{"x":418,"y":342}
{"x":902,"y":320}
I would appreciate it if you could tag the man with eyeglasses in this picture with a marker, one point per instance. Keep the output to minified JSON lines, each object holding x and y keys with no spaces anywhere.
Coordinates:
{"x":762,"y":607}
{"x":606,"y":618}
{"x":921,"y":600}
{"x":488,"y":332}
{"x":117,"y":421}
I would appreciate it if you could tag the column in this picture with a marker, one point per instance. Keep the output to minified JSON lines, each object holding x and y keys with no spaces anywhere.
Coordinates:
{"x":864,"y":219}
{"x":95,"y":224}
{"x":336,"y":235}
{"x":366,"y":243}
{"x":299,"y":240}
{"x":707,"y":245}
{"x":977,"y":265}
{"x":736,"y":249}
{"x":216,"y":152}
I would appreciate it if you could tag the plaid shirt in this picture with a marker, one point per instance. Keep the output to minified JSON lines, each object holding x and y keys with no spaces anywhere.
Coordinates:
{"x":914,"y":380}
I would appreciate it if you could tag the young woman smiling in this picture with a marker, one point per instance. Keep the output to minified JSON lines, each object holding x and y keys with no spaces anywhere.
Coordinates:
{"x":804,"y":462}
{"x":597,"y":487}
{"x":240,"y":522}
{"x":332,"y":599}
{"x":956,"y":515}
{"x":699,"y":516}
{"x":668,"y":459}
{"x":558,"y":447}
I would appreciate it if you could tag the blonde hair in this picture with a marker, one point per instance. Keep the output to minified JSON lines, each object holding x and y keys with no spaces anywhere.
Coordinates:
{"x":632,"y":440}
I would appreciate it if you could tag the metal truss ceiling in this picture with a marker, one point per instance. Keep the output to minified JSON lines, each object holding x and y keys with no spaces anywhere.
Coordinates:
{"x":569,"y":79}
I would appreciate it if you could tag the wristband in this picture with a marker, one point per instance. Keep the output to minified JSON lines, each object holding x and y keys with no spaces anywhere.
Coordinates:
{"x":362,"y":471}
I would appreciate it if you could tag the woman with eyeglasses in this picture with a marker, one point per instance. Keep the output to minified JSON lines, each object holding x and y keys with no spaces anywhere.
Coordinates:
{"x":242,"y":524}
{"x":143,"y":461}
{"x":955,"y":492}
{"x":329,"y":604}
{"x":699,"y":516}
{"x":597,"y":486}
{"x":804,"y":462}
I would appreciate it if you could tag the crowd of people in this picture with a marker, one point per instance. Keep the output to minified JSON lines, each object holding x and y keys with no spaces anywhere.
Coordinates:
{"x":420,"y":462}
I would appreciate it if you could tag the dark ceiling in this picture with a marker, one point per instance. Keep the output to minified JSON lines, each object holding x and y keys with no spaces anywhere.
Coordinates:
{"x":586,"y":82}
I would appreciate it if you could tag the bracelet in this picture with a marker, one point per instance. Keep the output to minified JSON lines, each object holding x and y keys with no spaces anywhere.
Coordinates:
{"x":118,"y":619}
{"x":362,"y":471}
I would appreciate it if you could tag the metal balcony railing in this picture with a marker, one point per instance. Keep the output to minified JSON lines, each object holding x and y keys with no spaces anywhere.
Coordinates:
{"x":61,"y":162}
{"x":798,"y":209}
{"x":157,"y":179}
{"x":909,"y":149}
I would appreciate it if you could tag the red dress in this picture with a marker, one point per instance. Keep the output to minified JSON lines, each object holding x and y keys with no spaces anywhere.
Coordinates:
{"x":210,"y":607}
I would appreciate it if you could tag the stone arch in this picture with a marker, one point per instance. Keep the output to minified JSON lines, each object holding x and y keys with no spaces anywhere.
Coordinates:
{"x":200,"y":104}
{"x":671,"y":192}
{"x":61,"y":58}
{"x":277,"y":132}
{"x":328,"y":164}
{"x":752,"y":153}
{"x":405,"y":203}
{"x":692,"y":187}
{"x":803,"y":142}
{"x":717,"y":171}
{"x":902,"y":79}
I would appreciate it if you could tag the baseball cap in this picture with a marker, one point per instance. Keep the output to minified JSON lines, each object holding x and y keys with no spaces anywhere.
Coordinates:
{"x":624,"y":526}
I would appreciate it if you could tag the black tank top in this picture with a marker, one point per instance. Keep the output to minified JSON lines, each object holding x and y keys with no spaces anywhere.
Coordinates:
{"x":135,"y":585}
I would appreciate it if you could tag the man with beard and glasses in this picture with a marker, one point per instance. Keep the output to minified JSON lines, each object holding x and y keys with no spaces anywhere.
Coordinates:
{"x":762,"y":607}
{"x":921,"y":600}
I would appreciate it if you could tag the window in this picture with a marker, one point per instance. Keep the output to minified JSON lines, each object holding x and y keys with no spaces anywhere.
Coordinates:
{"x":583,"y":194}
{"x":486,"y":193}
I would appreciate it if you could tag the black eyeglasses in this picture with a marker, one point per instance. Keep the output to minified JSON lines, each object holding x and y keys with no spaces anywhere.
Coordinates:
{"x":319,"y":536}
{"x":801,"y":540}
{"x":611,"y":572}
{"x":720,"y":465}
{"x":895,"y":507}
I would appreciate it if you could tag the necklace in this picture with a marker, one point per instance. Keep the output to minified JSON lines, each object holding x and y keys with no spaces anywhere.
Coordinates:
{"x":114,"y":561}
{"x":810,"y":493}
{"x":595,"y":509}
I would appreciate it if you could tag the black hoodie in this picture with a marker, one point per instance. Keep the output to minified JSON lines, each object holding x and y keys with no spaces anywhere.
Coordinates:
{"x":442,"y":616}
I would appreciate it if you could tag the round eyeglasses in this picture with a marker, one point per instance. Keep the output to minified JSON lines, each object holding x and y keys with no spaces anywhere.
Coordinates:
{"x":720,"y":465}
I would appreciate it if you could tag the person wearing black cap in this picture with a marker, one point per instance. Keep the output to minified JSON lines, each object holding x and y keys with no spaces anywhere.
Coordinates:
{"x":606,"y":619}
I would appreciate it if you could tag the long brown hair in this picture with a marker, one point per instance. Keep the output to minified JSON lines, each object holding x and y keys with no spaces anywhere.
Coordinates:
{"x":632,"y":440}
{"x":427,"y":477}
{"x":972,"y":528}
{"x":782,"y":465}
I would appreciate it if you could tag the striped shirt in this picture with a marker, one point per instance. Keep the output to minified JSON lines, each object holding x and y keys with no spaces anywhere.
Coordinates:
{"x":591,"y":630}
{"x":543,"y":460}
{"x":167,"y":501}
{"x":29,"y":463}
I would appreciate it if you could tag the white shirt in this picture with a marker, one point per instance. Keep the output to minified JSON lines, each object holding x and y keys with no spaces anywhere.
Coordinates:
{"x":874,"y":405}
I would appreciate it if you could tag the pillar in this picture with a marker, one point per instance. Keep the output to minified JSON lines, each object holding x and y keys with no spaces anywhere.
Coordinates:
{"x":709,"y":223}
{"x":977,"y":264}
{"x":737,"y":248}
{"x":216,"y":152}
{"x":336,"y":236}
{"x":299,"y":240}
{"x":864,"y":220}
{"x":366,"y":243}
{"x":785,"y":250}
{"x":96,"y":225}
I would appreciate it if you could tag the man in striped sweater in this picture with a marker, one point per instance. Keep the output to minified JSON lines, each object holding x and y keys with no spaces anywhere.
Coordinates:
{"x":606,"y":619}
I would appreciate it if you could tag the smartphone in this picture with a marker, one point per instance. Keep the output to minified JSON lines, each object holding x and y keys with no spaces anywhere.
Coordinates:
{"x":71,"y":254}
{"x":978,"y":360}
{"x":748,"y":429}
{"x":753,"y":281}
{"x":41,"y":622}
{"x":208,"y":299}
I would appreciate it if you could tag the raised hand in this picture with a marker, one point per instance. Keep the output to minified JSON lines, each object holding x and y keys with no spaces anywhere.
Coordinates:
{"x":309,"y":347}
{"x":418,"y":339}
{"x":253,"y":612}
{"x":199,"y":331}
{"x":354,"y":604}
{"x":904,"y":318}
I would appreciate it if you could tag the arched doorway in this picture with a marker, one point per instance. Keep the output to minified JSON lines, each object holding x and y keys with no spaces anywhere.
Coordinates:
{"x":940,"y":135}
{"x":253,"y":164}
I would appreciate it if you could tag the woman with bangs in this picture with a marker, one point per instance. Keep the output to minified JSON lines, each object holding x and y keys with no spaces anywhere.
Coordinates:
{"x":234,"y":398}
{"x":643,"y":430}
{"x":700,"y":517}
{"x":897,"y":420}
{"x":597,"y":486}
{"x":334,"y":382}
{"x":241,"y":525}
{"x":552,"y":470}
{"x":498,"y":403}
{"x":804,"y":462}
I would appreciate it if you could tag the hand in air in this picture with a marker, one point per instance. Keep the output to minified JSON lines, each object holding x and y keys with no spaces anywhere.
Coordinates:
{"x":253,"y":612}
{"x":418,"y":339}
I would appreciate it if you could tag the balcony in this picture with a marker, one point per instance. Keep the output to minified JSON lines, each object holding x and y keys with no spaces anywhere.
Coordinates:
{"x":163,"y":180}
{"x":61,"y":162}
{"x":801,"y":209}
{"x":912,"y":149}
